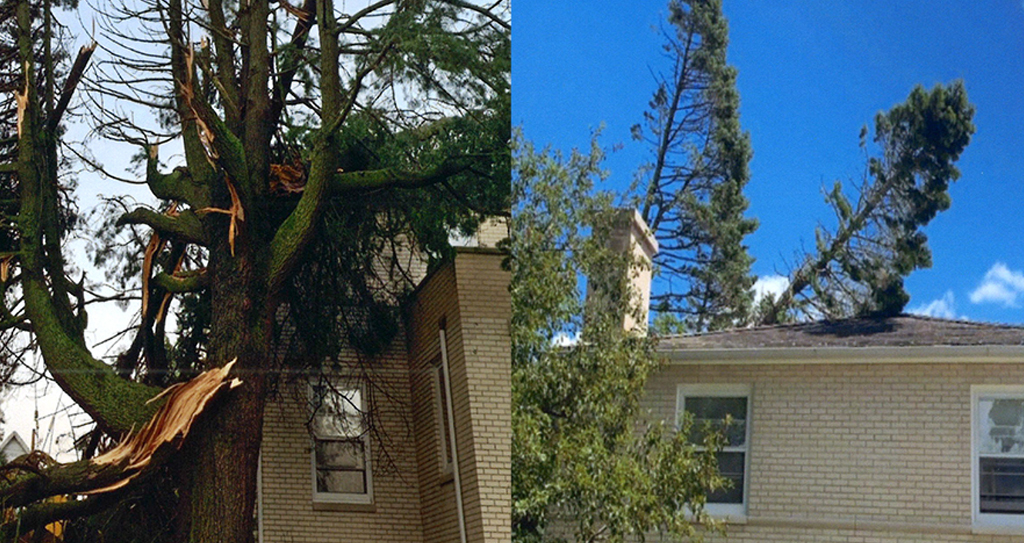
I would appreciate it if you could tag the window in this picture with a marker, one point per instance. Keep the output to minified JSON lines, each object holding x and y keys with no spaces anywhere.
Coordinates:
{"x":341,"y":445}
{"x":444,"y":420}
{"x":998,"y":456}
{"x":713,"y":404}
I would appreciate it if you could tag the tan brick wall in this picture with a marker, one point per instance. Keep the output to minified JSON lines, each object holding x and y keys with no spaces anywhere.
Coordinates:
{"x":882,"y":447}
{"x":492,"y":231}
{"x":485,"y":308}
{"x":472,"y":297}
{"x":413,"y":500}
{"x":436,"y":300}
{"x":289,"y":514}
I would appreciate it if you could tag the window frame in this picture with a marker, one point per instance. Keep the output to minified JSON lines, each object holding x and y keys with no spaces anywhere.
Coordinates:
{"x":733,"y":512}
{"x":342,"y":497}
{"x":441,"y":403}
{"x":990,"y":522}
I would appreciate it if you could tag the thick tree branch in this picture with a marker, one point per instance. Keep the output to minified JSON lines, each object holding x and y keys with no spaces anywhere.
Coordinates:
{"x":224,"y":55}
{"x":394,"y":178}
{"x":201,"y":171}
{"x":288,"y":65}
{"x":230,"y":153}
{"x":182,"y":283}
{"x":60,"y":479}
{"x":114,"y":404}
{"x":39,"y":515}
{"x":177,"y":185}
{"x":69,"y":86}
{"x":184,"y":226}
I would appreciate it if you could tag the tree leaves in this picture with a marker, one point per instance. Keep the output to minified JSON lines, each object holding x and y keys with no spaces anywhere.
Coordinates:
{"x":581,"y":458}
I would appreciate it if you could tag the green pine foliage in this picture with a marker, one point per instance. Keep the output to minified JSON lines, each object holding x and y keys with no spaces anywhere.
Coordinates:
{"x":692,"y":191}
{"x":858,"y":268}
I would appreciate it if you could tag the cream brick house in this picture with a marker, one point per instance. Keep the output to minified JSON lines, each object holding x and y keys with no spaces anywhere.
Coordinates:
{"x":864,"y":430}
{"x":901,"y":429}
{"x":432,"y":464}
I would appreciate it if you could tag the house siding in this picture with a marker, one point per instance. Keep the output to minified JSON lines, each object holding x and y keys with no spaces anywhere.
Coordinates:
{"x":485,"y":307}
{"x":436,"y":301}
{"x":472,"y":298}
{"x":852,"y":452}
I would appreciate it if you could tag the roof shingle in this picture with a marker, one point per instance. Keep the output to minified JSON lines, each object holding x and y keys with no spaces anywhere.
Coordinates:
{"x":899,"y":331}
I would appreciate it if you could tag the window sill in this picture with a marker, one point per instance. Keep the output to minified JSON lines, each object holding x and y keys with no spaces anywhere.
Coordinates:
{"x":995,"y":529}
{"x":344,"y":507}
{"x":728,"y":518}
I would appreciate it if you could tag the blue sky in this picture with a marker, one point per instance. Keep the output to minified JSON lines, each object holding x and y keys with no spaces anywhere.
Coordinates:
{"x":810,"y":75}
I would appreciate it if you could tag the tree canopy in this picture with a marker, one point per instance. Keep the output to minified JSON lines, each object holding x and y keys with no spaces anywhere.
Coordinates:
{"x":584,"y":468}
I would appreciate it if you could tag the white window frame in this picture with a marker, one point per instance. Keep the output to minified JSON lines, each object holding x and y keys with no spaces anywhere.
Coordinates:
{"x":443,"y":419}
{"x":732,"y":512}
{"x":990,"y":522}
{"x":343,"y":497}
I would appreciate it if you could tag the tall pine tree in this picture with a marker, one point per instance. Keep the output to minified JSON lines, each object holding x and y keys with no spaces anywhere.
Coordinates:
{"x":692,"y":191}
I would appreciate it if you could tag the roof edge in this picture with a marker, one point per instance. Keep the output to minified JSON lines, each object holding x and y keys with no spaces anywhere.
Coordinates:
{"x":917,"y":354}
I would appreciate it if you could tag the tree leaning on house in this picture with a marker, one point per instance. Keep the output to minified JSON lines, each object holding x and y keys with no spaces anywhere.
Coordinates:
{"x":314,"y":141}
{"x":584,"y":466}
{"x":857,"y":269}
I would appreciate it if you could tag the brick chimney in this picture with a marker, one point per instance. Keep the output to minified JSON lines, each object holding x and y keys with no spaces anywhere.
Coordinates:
{"x":631,"y":234}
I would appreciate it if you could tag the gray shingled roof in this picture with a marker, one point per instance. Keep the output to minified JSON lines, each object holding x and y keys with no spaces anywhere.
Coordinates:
{"x":900,"y":331}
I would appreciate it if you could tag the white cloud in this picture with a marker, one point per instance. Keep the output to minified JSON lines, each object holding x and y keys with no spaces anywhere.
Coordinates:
{"x":773,"y":284}
{"x":1000,"y":285}
{"x":943,"y":308}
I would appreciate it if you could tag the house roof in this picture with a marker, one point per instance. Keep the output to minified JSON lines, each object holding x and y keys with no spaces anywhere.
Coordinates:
{"x":13,"y":446}
{"x":899,"y":331}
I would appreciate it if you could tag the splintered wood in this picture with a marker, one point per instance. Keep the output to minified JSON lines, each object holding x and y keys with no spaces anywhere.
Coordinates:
{"x":170,"y":424}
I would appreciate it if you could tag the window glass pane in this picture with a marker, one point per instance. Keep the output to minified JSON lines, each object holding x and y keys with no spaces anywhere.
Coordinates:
{"x":347,"y":482}
{"x":340,"y":454}
{"x":713,"y":411}
{"x":730,"y":466}
{"x":338,"y":412}
{"x":1001,"y":485}
{"x":1000,"y":426}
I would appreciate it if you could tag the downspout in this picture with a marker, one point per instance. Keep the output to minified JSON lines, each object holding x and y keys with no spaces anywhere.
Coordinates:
{"x":451,"y":435}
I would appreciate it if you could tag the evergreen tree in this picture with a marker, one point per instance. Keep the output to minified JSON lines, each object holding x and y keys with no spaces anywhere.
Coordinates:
{"x":858,"y":269}
{"x":317,"y":145}
{"x":692,"y":192}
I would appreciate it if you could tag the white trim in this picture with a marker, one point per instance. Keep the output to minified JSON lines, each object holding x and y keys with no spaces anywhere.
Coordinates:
{"x":442,"y":337}
{"x":346,"y":497}
{"x":930,"y":354}
{"x":444,"y":419}
{"x":989,"y":523}
{"x":17,"y":439}
{"x":259,"y":496}
{"x":729,"y":512}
